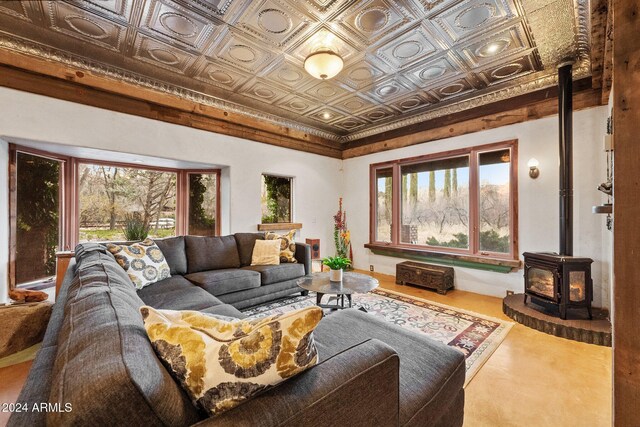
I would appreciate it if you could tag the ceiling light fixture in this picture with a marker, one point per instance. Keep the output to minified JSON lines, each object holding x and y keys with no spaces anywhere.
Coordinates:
{"x":323,"y":64}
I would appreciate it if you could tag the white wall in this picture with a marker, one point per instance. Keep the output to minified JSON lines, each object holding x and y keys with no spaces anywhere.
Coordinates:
{"x":538,"y":199}
{"x":320,"y":180}
{"x":316,"y":183}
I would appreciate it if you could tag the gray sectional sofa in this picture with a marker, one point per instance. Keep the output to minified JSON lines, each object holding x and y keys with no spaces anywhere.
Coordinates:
{"x":97,"y":363}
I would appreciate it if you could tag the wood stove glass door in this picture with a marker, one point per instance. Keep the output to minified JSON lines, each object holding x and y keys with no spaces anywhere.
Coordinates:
{"x":541,"y":282}
{"x":577,"y":286}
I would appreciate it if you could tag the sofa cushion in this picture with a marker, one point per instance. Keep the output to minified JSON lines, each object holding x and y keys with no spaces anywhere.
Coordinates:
{"x":265,"y":252}
{"x":177,"y":293}
{"x":175,"y":253}
{"x":103,"y":337}
{"x":220,"y":282}
{"x":221,"y":363}
{"x":287,"y":245}
{"x":211,"y":253}
{"x":144,"y":262}
{"x":277,"y":273}
{"x":224,"y":310}
{"x":431,"y":373}
{"x":246,"y":242}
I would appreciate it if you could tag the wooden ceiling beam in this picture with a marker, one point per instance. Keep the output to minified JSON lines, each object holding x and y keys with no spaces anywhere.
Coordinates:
{"x":599,"y":15}
{"x":477,"y":122}
{"x":35,"y":75}
{"x":607,"y":59}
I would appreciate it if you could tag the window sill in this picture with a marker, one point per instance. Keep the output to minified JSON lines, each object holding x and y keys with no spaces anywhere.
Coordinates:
{"x":280,"y":226}
{"x":456,"y":260}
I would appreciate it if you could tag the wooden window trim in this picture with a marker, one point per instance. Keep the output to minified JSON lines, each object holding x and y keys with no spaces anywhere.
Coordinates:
{"x":70,"y":203}
{"x":472,"y":254}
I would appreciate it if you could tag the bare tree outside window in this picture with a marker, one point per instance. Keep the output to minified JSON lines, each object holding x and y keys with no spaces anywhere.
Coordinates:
{"x":435,"y":210}
{"x":384,"y":210}
{"x":108,"y":194}
{"x":494,"y":176}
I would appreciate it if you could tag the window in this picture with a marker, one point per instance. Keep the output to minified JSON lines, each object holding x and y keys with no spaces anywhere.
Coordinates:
{"x":276,"y":199}
{"x":461,"y":202}
{"x":110,"y":195}
{"x":57,"y":201}
{"x":36,"y":218}
{"x":203,"y":203}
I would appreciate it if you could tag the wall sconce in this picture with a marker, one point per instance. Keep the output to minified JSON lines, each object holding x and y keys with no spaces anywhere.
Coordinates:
{"x":534,"y":172}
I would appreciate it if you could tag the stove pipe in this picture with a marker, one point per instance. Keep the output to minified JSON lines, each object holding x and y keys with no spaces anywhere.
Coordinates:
{"x":565,"y":112}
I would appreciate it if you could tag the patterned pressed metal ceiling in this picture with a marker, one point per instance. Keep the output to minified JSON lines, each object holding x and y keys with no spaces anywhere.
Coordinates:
{"x":405,"y":61}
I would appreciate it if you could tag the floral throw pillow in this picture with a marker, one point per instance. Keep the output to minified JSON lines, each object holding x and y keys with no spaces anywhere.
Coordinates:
{"x":287,"y":245}
{"x":143,"y":261}
{"x":222,"y":364}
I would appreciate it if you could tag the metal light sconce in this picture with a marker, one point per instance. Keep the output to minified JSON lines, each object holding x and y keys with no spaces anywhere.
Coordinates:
{"x":534,"y":172}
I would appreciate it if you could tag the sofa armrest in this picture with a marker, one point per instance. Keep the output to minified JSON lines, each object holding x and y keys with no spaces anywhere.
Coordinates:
{"x":303,"y":256}
{"x":359,"y":386}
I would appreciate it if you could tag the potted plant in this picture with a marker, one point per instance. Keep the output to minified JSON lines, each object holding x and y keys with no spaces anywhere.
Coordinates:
{"x":337,"y":264}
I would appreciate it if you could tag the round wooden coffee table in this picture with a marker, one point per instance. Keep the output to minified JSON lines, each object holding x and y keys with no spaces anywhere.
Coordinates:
{"x":352,"y":283}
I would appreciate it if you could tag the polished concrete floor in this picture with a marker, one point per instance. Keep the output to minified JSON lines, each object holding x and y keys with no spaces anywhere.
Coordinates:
{"x":532,"y":379}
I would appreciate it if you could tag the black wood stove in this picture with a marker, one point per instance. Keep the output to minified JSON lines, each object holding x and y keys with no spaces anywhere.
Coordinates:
{"x":561,"y":279}
{"x":558,"y":279}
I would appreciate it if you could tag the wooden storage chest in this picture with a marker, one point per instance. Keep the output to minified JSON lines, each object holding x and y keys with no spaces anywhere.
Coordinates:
{"x":429,"y":276}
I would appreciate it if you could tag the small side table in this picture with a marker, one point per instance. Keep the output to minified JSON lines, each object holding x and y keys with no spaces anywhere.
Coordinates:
{"x":63,"y":258}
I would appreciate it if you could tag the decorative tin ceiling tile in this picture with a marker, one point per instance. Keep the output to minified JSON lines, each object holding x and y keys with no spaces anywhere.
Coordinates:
{"x":320,"y":39}
{"x":222,"y":9}
{"x":413,"y":46}
{"x":410,"y":103}
{"x":495,"y":46}
{"x":168,"y":20}
{"x":218,"y":75}
{"x":426,"y":74}
{"x":387,"y":90}
{"x":274,"y":21}
{"x":326,"y":114}
{"x":160,"y":54}
{"x":452,"y":89}
{"x":326,"y":92}
{"x":74,"y":22}
{"x":15,"y":9}
{"x":360,"y":74}
{"x":289,"y":74}
{"x":240,"y":52}
{"x":350,"y":123}
{"x":508,"y":70}
{"x":263,"y":92}
{"x":371,"y":20}
{"x":119,"y":10}
{"x":401,"y":57}
{"x":377,"y":114}
{"x":470,"y":17}
{"x":324,"y":8}
{"x":354,"y":104}
{"x":296,"y":104}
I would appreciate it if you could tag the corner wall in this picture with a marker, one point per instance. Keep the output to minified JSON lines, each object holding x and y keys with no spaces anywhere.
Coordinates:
{"x":316,"y":178}
{"x":538,"y":199}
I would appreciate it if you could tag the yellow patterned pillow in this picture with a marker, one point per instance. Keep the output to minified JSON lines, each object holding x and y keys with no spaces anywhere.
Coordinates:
{"x":287,"y":246}
{"x":222,"y":364}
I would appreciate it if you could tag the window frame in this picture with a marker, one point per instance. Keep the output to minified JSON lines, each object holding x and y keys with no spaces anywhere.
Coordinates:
{"x":291,"y":196}
{"x":473,"y":253}
{"x":70,"y":203}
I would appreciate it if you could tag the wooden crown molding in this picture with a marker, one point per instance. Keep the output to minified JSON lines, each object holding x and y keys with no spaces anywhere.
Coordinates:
{"x":48,"y":78}
{"x":35,"y":75}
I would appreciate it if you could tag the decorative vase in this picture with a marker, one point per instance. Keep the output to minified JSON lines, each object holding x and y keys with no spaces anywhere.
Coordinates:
{"x":335,"y":275}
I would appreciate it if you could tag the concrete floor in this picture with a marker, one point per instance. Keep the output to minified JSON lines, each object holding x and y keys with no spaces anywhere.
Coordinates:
{"x":532,"y":379}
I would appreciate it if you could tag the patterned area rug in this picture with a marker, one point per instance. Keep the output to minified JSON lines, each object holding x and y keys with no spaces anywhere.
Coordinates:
{"x":475,"y":335}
